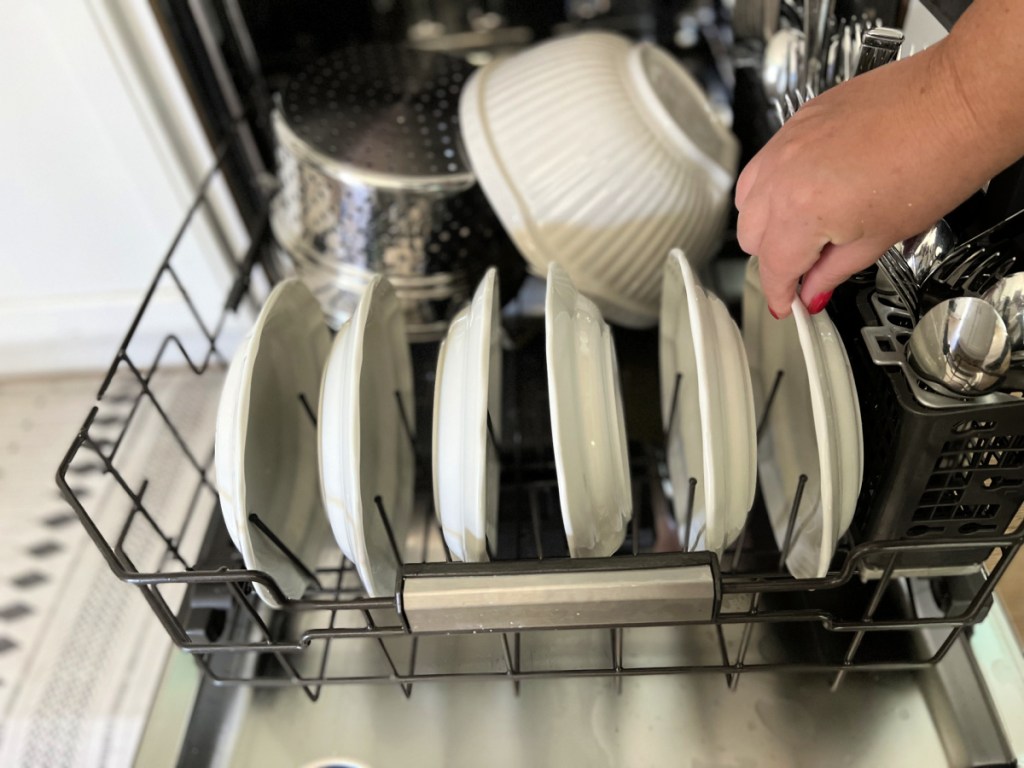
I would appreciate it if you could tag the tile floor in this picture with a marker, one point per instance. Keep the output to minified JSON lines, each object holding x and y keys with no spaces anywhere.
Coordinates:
{"x":80,"y":653}
{"x":1011,"y":591}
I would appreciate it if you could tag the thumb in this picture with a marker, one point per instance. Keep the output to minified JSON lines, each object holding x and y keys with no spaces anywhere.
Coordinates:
{"x":834,"y":266}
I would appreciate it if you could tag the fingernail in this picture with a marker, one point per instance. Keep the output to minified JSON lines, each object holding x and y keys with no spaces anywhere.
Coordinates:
{"x":772,"y":313}
{"x":819,"y":302}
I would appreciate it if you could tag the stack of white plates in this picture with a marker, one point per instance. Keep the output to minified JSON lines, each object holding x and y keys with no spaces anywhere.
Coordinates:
{"x":467,"y":426}
{"x":587,"y":423}
{"x":271,"y":447}
{"x":707,"y":410}
{"x":266,"y":447}
{"x":366,"y":432}
{"x":803,"y":360}
{"x":588,"y":431}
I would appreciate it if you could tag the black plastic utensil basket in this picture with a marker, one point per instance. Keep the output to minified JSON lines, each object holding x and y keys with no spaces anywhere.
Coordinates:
{"x":929,"y":473}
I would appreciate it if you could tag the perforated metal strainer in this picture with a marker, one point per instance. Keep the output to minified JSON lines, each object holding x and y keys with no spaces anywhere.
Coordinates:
{"x":374,"y":179}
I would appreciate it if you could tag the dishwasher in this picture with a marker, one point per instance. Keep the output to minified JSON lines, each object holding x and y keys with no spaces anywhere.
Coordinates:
{"x":901,"y":654}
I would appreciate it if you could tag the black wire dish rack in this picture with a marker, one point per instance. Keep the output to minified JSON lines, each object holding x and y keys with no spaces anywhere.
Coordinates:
{"x":531,"y":613}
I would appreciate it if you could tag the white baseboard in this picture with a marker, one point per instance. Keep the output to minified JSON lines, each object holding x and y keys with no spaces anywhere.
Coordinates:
{"x":85,"y":333}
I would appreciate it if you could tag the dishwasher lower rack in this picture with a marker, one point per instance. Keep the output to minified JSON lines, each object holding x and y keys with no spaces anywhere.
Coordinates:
{"x":530,"y":613}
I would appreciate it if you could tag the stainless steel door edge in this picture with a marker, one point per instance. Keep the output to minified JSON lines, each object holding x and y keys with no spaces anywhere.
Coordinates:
{"x":971,"y":727}
{"x":773,"y":719}
{"x":1000,"y":664}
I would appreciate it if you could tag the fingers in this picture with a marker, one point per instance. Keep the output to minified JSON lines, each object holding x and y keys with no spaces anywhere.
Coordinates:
{"x":751,"y":225}
{"x":779,"y":290}
{"x":746,"y":181}
{"x":835,"y":264}
{"x":788,"y":249}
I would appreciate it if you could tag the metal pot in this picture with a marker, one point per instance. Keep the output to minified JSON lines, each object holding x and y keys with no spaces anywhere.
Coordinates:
{"x":374,"y":180}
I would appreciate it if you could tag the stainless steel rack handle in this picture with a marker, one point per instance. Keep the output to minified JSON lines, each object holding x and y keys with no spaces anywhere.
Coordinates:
{"x":674,"y":588}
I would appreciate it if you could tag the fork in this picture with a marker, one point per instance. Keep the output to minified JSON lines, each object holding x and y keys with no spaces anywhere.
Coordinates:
{"x":902,"y":278}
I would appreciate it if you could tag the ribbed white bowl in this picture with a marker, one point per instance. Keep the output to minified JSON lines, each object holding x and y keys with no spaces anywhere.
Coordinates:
{"x":601,"y":155}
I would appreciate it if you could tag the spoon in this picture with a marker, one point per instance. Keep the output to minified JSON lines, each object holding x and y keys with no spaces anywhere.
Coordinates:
{"x":879,"y":47}
{"x":962,"y":345}
{"x":972,"y":265}
{"x":781,"y":61}
{"x":817,"y":14}
{"x":1007,"y":296}
{"x":923,"y":252}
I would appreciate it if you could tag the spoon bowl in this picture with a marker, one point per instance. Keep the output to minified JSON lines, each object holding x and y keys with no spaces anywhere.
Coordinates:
{"x":1007,"y":296}
{"x":923,"y":252}
{"x":962,"y":345}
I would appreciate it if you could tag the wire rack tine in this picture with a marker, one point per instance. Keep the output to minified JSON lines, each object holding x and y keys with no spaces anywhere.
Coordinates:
{"x":492,"y":435}
{"x":511,"y":664}
{"x":285,"y":549}
{"x":723,"y":651}
{"x":379,"y":503}
{"x":869,"y":612}
{"x":755,"y":602}
{"x":787,"y":542}
{"x":741,"y":540}
{"x":307,"y":408}
{"x":618,"y":650}
{"x":691,"y":491}
{"x":535,"y":522}
{"x":769,"y":402}
{"x":406,"y":687}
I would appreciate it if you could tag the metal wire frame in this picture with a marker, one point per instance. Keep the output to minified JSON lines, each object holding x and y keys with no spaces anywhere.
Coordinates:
{"x":253,"y":637}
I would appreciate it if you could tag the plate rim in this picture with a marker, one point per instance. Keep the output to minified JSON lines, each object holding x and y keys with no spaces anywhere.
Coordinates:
{"x":613,"y":400}
{"x":468,"y":346}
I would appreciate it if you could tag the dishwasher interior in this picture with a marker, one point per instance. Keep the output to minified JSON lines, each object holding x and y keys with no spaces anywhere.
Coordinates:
{"x":641,"y":657}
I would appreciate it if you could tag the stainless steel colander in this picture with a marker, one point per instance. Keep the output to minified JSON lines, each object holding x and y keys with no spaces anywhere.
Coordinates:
{"x":374,"y":180}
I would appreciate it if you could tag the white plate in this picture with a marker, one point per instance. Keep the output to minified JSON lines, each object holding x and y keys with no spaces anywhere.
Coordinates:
{"x":587,"y":425}
{"x":265,"y":449}
{"x":365,"y":450}
{"x":712,"y":433}
{"x":823,"y":442}
{"x":466,"y":463}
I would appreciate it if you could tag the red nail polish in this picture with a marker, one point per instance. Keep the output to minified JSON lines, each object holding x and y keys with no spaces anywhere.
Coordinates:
{"x":819,"y":302}
{"x":772,"y":313}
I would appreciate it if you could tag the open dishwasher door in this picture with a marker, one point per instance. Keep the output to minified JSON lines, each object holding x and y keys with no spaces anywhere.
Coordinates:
{"x":697,"y":688}
{"x":967,"y":711}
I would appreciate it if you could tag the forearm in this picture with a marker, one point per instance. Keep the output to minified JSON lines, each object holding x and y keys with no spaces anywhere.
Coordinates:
{"x":984,"y":61}
{"x":879,"y":158}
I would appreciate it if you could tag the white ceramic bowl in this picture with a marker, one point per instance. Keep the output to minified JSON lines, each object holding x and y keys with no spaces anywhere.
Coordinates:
{"x":601,"y":154}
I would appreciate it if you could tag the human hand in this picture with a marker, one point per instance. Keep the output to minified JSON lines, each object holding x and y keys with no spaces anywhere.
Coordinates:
{"x":866,"y":164}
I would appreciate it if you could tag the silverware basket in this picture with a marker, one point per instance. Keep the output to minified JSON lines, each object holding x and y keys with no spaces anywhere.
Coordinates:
{"x":948,"y":469}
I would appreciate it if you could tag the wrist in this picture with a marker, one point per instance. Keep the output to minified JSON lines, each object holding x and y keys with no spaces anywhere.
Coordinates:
{"x":978,"y":66}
